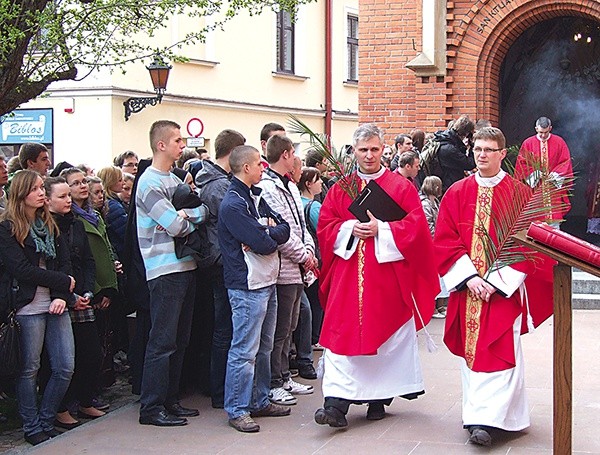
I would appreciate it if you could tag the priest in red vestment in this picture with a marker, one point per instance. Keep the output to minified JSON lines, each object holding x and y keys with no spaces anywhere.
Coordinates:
{"x":378,"y":287}
{"x":551,"y":155}
{"x":488,"y":308}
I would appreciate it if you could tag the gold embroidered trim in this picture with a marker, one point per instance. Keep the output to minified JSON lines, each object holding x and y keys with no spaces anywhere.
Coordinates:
{"x":477,"y":255}
{"x":545,"y":170}
{"x":361,"y":277}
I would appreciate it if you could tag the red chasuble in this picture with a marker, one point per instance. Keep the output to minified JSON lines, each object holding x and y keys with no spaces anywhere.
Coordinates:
{"x":478,"y":331}
{"x":556,"y":158}
{"x":366,"y":302}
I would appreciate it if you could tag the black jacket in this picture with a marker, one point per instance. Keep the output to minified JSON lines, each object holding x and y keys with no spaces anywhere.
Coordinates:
{"x":453,"y":158}
{"x":82,"y":260}
{"x":22,"y":263}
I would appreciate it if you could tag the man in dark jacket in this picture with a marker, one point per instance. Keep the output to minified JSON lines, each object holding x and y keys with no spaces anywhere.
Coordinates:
{"x":212,"y":182}
{"x":452,"y":154}
{"x":249,"y":233}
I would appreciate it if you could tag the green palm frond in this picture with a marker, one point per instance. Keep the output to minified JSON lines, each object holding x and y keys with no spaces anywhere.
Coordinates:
{"x":521,"y":206}
{"x":341,"y":164}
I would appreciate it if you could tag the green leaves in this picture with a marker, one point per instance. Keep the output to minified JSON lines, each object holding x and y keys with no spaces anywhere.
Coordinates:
{"x":341,"y":164}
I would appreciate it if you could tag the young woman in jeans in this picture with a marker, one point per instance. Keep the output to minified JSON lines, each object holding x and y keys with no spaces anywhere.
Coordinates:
{"x":36,"y":256}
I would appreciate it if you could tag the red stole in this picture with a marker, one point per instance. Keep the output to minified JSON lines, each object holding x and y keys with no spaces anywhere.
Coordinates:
{"x":366,"y":302}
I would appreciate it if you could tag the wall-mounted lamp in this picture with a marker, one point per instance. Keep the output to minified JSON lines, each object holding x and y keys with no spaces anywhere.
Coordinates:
{"x":159,"y":73}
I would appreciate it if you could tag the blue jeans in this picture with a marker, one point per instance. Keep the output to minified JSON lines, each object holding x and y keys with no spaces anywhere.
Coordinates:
{"x":56,"y":333}
{"x":171,"y":310}
{"x":221,"y":340}
{"x":247,"y":382}
{"x":303,"y":333}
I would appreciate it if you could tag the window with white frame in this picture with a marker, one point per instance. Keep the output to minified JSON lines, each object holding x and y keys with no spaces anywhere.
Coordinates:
{"x":352,"y":41}
{"x":285,"y":43}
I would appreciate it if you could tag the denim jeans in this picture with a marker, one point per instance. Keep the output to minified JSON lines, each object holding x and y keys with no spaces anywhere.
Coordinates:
{"x":247,"y":382}
{"x":55,"y":332}
{"x":303,"y":333}
{"x":221,"y":340}
{"x":288,"y":308}
{"x":171,"y":310}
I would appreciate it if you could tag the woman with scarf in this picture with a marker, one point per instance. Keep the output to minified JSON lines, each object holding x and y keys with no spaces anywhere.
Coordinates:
{"x":105,"y":288}
{"x":88,"y":353}
{"x":37,"y":257}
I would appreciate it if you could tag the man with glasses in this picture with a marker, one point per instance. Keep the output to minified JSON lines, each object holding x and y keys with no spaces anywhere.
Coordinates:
{"x":486,"y":312}
{"x":127,"y":161}
{"x":552,"y":153}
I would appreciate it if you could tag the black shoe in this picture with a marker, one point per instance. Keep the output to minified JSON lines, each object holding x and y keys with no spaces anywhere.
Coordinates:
{"x":331,"y":416}
{"x":36,"y":438}
{"x":375,"y":411}
{"x":217,"y":405}
{"x":163,"y":419}
{"x":480,"y":436}
{"x":179,"y":411}
{"x":52,"y":433}
{"x":307,"y":371}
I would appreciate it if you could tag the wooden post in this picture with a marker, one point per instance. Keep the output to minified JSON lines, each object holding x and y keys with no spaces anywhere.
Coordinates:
{"x":563,"y":371}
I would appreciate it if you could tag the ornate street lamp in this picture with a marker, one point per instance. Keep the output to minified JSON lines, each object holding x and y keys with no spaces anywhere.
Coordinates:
{"x":159,"y":73}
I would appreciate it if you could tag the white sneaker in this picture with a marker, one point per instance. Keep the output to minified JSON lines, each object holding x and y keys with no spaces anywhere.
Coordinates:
{"x":296,"y":388}
{"x":439,"y":315}
{"x":281,"y":396}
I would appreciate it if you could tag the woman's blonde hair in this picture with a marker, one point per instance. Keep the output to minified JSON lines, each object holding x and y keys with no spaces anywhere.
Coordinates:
{"x":20,"y":187}
{"x":110,"y":176}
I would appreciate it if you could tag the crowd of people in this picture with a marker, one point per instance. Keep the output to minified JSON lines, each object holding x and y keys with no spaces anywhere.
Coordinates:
{"x":134,"y":257}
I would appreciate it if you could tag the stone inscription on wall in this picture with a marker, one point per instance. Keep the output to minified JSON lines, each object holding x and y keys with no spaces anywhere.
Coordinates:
{"x":495,"y":11}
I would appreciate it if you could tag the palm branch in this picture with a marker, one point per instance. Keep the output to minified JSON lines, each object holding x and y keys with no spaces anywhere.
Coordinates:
{"x":341,"y":164}
{"x":519,"y":208}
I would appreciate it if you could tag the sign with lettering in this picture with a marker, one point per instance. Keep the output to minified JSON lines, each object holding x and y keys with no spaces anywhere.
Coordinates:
{"x":496,"y":10}
{"x":27,"y":125}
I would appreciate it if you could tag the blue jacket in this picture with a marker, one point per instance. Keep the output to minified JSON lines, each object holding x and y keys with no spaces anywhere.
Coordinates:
{"x":116,"y":225}
{"x":242,"y":221}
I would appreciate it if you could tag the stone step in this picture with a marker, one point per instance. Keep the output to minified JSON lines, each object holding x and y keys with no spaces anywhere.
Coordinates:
{"x":586,"y":301}
{"x":584,"y":283}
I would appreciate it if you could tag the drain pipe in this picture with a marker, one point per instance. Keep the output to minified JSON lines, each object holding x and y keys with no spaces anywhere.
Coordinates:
{"x":328,"y":67}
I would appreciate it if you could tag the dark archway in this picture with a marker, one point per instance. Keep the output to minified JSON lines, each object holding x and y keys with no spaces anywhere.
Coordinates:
{"x":553,"y":70}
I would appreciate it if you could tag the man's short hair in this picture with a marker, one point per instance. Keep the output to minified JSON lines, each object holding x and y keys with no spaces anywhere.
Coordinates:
{"x":158,"y":131}
{"x":226,"y":141}
{"x":491,"y":134}
{"x":543,"y":122}
{"x":186,"y":156}
{"x":121,"y":157}
{"x":367,"y":131}
{"x":401,"y":139}
{"x":276,"y":145}
{"x":240,"y":155}
{"x":269,"y":128}
{"x":312,"y":158}
{"x":30,"y":152}
{"x":408,"y":157}
{"x":13,"y":165}
{"x":464,"y":126}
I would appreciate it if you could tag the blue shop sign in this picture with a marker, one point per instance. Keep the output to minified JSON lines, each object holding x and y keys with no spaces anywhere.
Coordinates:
{"x":27,"y":125}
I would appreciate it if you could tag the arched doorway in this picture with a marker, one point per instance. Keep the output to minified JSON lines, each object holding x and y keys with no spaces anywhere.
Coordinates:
{"x":553,"y":70}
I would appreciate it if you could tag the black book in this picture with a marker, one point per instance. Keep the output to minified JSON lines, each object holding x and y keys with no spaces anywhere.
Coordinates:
{"x":378,"y":202}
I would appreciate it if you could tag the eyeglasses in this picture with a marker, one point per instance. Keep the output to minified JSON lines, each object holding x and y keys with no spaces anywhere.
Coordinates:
{"x":130,"y":165}
{"x":485,"y":150}
{"x":78,"y":183}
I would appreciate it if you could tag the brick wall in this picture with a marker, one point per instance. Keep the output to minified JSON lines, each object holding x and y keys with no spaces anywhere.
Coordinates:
{"x":479,"y":34}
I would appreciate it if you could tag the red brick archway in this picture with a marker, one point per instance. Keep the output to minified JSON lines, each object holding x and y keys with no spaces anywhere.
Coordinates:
{"x":479,"y":42}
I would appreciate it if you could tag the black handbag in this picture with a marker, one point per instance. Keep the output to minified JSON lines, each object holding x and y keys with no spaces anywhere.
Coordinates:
{"x":10,"y":342}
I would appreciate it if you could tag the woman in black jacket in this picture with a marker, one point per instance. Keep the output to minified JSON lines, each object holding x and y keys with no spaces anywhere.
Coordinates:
{"x":88,"y":351}
{"x":35,"y":255}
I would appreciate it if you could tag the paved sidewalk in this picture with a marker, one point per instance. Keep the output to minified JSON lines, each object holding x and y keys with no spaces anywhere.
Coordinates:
{"x":428,"y":425}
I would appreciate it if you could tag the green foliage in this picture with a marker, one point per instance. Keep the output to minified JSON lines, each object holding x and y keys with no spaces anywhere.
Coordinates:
{"x":44,"y":41}
{"x":341,"y":164}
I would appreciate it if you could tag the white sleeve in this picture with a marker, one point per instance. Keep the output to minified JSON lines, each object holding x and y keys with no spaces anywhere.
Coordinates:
{"x":343,"y":238}
{"x":385,"y":247}
{"x":459,"y":272}
{"x":506,"y":279}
